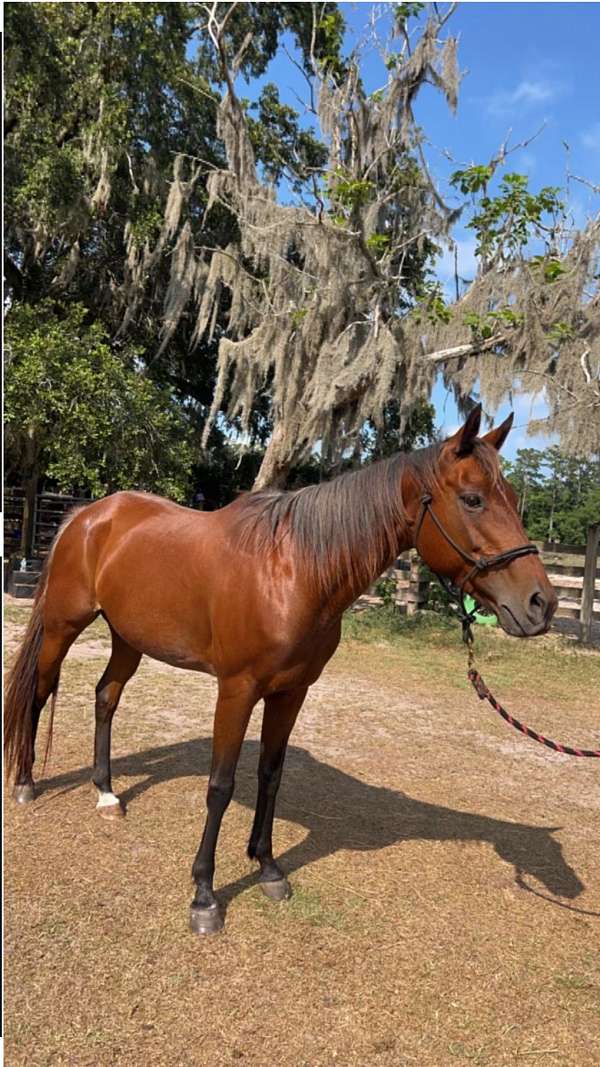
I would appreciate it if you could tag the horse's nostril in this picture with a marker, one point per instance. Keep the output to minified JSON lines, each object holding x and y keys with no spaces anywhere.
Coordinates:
{"x":537,"y":602}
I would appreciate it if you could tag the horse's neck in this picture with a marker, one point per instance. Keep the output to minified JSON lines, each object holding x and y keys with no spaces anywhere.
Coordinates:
{"x":345,"y":588}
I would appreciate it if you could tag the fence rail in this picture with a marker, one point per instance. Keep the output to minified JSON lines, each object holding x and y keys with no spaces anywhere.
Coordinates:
{"x":411,"y":586}
{"x":577,"y":585}
{"x":13,"y":519}
{"x":550,"y":548}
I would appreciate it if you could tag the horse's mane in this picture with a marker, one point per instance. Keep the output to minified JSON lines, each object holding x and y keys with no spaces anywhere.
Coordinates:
{"x":354,"y":522}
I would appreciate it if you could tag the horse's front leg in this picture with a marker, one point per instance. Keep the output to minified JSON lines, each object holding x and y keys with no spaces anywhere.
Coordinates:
{"x":281,"y":711}
{"x":232,"y":714}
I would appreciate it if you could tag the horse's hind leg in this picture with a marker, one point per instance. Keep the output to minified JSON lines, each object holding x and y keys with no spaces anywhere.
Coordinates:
{"x":56,"y":642}
{"x":123,"y":664}
{"x":281,"y":710}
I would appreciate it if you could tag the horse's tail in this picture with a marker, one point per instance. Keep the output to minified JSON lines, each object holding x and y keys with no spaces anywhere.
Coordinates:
{"x":21,"y":690}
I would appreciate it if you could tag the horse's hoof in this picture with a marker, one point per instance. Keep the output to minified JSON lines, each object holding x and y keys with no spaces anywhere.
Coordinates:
{"x":280,"y":890}
{"x":24,"y":794}
{"x":111,"y":811}
{"x":206,"y":920}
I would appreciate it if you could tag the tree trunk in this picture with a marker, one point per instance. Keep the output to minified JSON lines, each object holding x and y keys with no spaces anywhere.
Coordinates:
{"x":30,"y":486}
{"x":552,"y":510}
{"x":277,"y":462}
{"x":522,"y":501}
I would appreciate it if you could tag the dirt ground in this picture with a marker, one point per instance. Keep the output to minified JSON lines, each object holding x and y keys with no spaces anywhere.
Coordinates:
{"x":446,"y":873}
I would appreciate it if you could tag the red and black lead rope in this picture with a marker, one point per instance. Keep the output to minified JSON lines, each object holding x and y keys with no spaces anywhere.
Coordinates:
{"x":484,"y":694}
{"x":479,"y":565}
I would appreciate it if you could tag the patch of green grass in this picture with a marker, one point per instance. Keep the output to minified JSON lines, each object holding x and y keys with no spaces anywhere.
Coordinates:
{"x":554,"y":665}
{"x":476,"y":1055}
{"x":98,"y":629}
{"x":18,"y":613}
{"x":574,"y":981}
{"x":305,"y":906}
{"x":386,"y":623}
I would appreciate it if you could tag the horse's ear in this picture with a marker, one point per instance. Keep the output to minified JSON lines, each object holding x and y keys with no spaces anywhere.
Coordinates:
{"x":498,"y":435}
{"x":463,"y":440}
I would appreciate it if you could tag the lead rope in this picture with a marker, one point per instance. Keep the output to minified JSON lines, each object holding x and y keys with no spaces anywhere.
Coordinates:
{"x":467,"y":618}
{"x":484,"y":693}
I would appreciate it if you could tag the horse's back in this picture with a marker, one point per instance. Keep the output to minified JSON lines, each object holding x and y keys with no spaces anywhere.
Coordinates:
{"x":93,"y":533}
{"x":176,"y":585}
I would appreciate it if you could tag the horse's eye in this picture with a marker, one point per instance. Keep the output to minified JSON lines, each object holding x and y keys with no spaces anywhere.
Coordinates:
{"x":472,"y":500}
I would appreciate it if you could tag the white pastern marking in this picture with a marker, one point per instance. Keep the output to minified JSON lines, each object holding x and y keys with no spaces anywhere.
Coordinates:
{"x":107,"y":800}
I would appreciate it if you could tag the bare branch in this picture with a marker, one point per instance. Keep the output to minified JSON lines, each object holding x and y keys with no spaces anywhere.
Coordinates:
{"x":312,"y":107}
{"x":586,"y":181}
{"x":471,"y":348}
{"x":133,"y":181}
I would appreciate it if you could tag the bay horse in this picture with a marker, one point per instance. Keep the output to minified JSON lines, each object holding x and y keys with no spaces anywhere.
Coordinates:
{"x":254,"y":594}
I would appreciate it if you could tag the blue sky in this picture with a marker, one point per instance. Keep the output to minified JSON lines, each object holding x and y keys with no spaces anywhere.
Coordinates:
{"x":526,"y":65}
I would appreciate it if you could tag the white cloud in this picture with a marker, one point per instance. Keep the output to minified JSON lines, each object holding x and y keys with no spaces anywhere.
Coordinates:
{"x":528,"y":94}
{"x":591,"y":138}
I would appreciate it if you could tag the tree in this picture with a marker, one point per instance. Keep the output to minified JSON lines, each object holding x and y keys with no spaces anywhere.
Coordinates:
{"x":559,"y":495}
{"x":111,"y":126}
{"x":110,"y":135}
{"x":141,"y":185}
{"x":82,"y":416}
{"x":530,"y":320}
{"x":525,"y":474}
{"x":331,"y":303}
{"x":418,"y":430}
{"x":317,"y":292}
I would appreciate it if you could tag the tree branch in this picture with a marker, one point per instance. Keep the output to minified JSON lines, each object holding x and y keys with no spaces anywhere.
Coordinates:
{"x":469,"y":349}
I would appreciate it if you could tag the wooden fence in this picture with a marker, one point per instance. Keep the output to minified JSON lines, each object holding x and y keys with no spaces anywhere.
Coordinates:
{"x":575,"y":575}
{"x":408,"y":586}
{"x":572,"y":569}
{"x":13,"y":521}
{"x":21,"y":577}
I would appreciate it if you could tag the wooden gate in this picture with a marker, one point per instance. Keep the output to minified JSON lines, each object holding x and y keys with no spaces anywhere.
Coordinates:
{"x":50,"y":510}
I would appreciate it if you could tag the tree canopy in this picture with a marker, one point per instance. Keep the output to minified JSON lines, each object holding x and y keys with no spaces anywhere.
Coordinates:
{"x":333,"y":302}
{"x":559,"y":494}
{"x":110,"y":126}
{"x":83,"y":414}
{"x":269,"y":277}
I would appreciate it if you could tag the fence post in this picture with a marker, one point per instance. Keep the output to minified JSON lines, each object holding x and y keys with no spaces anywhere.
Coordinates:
{"x":413,"y":593}
{"x":589,"y":583}
{"x":29,"y":504}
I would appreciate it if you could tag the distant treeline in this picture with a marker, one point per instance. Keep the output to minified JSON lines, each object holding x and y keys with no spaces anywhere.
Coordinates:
{"x":559,"y":496}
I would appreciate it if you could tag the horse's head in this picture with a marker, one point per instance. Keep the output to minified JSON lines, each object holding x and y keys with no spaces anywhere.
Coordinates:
{"x":476,"y":508}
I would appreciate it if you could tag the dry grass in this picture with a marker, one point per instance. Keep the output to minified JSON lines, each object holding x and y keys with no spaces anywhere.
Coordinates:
{"x":411,"y":821}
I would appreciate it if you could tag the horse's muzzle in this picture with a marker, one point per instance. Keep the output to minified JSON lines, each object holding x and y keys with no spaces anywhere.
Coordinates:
{"x":529,"y":620}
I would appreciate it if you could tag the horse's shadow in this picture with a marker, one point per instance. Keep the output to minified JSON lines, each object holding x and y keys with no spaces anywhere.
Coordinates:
{"x":342,"y":812}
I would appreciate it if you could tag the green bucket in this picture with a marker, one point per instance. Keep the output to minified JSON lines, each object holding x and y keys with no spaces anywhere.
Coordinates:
{"x":483,"y":620}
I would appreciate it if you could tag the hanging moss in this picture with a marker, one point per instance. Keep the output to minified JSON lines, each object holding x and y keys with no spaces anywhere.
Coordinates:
{"x":542,"y":335}
{"x":314,"y":295}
